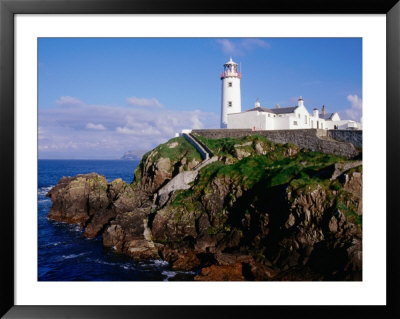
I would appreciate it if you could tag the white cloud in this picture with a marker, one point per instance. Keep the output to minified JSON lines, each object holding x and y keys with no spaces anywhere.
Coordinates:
{"x":241,"y":47}
{"x":124,"y":130}
{"x":92,"y":126}
{"x":68,"y":101}
{"x":355,"y":111}
{"x":355,"y":101}
{"x":250,"y":44}
{"x":139,"y":129}
{"x":227,"y":46}
{"x":134,"y":101}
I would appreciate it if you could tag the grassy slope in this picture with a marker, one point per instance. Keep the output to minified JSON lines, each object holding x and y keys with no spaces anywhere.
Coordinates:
{"x":301,"y":172}
{"x":182,"y":149}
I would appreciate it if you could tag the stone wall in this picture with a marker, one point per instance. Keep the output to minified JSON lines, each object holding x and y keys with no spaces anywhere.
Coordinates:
{"x":353,"y":137}
{"x":313,"y":139}
{"x":204,"y":154}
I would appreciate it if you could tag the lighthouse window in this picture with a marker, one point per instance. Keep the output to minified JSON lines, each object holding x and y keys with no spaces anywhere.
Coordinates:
{"x":229,"y":84}
{"x":229,"y":103}
{"x":305,"y":119}
{"x":294,"y":122}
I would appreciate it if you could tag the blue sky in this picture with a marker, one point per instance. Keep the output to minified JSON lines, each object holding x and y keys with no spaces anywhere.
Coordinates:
{"x":99,"y":98}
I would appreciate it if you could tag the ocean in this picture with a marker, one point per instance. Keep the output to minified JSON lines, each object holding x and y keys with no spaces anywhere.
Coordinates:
{"x":64,"y":255}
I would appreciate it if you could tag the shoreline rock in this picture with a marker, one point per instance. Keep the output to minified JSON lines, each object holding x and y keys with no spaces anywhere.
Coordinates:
{"x":222,"y":224}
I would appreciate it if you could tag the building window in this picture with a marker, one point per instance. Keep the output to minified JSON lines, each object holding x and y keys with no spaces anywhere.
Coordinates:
{"x":230,"y":103}
{"x":299,"y":115}
{"x":322,"y":125}
{"x":230,"y":84}
{"x":269,"y":115}
{"x":294,"y":122}
{"x":305,"y":119}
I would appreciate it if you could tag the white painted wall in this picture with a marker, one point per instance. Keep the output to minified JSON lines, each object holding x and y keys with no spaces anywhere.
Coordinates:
{"x":231,"y":99}
{"x":304,"y":120}
{"x":247,"y":120}
{"x":301,"y":116}
{"x":346,"y":125}
{"x":335,"y":117}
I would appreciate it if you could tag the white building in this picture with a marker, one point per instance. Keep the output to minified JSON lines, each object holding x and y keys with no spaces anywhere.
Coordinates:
{"x":231,"y":100}
{"x":278,"y":118}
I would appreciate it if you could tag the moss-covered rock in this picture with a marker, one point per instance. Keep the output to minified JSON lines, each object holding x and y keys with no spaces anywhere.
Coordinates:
{"x":279,"y":211}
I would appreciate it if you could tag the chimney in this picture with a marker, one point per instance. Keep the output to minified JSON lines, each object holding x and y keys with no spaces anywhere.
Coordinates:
{"x":323,"y":109}
{"x":257,"y":104}
{"x":277,"y":106}
{"x":315,"y":113}
{"x":300,"y":102}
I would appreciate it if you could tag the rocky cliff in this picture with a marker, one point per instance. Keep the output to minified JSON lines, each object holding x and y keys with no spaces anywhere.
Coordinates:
{"x":258,"y":211}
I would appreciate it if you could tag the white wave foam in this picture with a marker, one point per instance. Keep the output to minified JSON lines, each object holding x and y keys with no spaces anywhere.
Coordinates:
{"x":44,"y":200}
{"x":53,"y":244}
{"x":44,"y":190}
{"x":99,"y":261}
{"x":168,"y":274}
{"x":126,"y":266}
{"x":159,"y":262}
{"x":76,"y":228}
{"x":73,"y":255}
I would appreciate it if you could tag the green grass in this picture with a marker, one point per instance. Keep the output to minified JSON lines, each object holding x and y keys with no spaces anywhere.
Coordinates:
{"x":184,"y":148}
{"x":226,"y":146}
{"x":301,"y":173}
{"x":343,"y":202}
{"x":175,"y":154}
{"x":272,"y":169}
{"x":275,"y":168}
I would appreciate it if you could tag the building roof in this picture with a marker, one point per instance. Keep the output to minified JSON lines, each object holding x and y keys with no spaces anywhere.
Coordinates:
{"x":326,"y":116}
{"x":281,"y":110}
{"x":284,"y":110}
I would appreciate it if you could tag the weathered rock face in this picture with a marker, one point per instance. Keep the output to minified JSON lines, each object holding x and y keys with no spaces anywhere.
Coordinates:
{"x":88,"y":200}
{"x":117,"y":211}
{"x":221,"y":273}
{"x":276,"y":214}
{"x":129,"y":234}
{"x":172,"y":225}
{"x":284,"y":236}
{"x":77,"y":200}
{"x":156,"y":174}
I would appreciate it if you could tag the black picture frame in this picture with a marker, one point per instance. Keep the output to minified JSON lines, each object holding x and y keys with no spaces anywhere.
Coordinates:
{"x":8,"y":8}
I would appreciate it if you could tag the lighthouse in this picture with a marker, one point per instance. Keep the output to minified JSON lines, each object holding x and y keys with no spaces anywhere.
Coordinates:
{"x":231,"y":101}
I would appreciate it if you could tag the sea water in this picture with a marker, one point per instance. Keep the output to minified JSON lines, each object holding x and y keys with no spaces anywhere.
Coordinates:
{"x":64,"y":255}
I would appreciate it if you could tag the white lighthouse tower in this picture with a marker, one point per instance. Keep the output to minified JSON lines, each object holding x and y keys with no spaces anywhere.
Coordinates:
{"x":231,"y":101}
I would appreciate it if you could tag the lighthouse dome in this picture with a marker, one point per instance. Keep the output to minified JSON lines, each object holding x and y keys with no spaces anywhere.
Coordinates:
{"x":231,"y":62}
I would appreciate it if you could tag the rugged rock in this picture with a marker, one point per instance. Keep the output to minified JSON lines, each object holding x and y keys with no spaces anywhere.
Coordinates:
{"x":180,"y":181}
{"x":77,"y":200}
{"x":183,"y":259}
{"x":255,"y":211}
{"x":171,"y":224}
{"x":221,"y":273}
{"x":129,"y":234}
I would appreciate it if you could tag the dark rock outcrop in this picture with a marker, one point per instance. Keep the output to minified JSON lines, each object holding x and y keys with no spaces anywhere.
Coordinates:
{"x":221,"y":273}
{"x":263,"y":211}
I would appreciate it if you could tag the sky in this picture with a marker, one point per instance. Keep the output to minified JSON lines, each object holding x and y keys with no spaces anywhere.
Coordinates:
{"x":101,"y":97}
